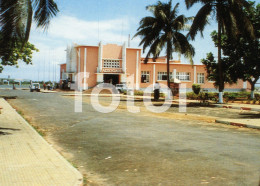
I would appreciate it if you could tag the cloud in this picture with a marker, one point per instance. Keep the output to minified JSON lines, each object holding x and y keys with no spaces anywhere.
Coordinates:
{"x":63,"y":31}
{"x":81,"y":31}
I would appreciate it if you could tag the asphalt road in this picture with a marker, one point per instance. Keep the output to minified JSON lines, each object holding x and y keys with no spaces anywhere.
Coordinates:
{"x":122,"y":148}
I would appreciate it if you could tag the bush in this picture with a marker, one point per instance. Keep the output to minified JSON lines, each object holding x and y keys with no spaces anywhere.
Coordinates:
{"x":192,"y":96}
{"x":196,"y":88}
{"x":231,"y":97}
{"x":138,"y":93}
{"x":257,"y":97}
{"x":213,"y":96}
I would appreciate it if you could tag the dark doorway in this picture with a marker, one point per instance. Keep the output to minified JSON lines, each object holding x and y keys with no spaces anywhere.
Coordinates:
{"x":111,"y":78}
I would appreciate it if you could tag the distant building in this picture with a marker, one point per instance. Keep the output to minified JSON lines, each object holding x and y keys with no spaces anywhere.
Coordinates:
{"x":116,"y":64}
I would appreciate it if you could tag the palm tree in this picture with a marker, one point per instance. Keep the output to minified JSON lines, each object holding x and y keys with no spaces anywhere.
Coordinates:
{"x":162,"y":30}
{"x":231,"y":21}
{"x":16,"y":18}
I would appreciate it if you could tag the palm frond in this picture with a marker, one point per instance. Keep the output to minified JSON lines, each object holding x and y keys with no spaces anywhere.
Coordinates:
{"x":44,"y":11}
{"x":182,"y":46}
{"x":242,"y":22}
{"x":10,"y":22}
{"x":190,"y":3}
{"x":29,"y":16}
{"x":200,"y":21}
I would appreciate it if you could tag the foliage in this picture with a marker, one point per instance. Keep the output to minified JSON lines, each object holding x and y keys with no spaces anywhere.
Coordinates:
{"x":231,"y":20}
{"x":193,"y":96}
{"x":196,"y":88}
{"x":211,"y":66}
{"x":229,"y":15}
{"x":138,"y":93}
{"x":242,"y":54}
{"x":227,"y":95}
{"x":163,"y":30}
{"x":16,"y":17}
{"x":18,"y":53}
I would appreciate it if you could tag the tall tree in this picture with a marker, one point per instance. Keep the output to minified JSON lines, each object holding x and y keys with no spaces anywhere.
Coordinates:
{"x":163,"y":30}
{"x":231,"y":20}
{"x":243,"y":53}
{"x":16,"y":18}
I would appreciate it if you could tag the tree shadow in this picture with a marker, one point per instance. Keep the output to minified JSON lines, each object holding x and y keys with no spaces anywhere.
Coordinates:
{"x":4,"y":133}
{"x":9,"y":129}
{"x":7,"y":133}
{"x":249,"y":115}
{"x":8,"y":97}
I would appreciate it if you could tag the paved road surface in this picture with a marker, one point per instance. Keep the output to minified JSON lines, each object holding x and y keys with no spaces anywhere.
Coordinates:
{"x":122,"y":148}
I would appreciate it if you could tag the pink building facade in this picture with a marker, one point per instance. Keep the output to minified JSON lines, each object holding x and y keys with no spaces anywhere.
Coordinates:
{"x":116,"y":64}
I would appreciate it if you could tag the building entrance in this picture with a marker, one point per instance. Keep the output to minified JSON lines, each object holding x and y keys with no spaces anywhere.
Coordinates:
{"x":111,"y":78}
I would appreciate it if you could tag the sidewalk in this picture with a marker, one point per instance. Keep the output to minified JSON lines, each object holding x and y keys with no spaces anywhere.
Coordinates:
{"x":239,"y":106}
{"x":248,"y":123}
{"x":26,"y":158}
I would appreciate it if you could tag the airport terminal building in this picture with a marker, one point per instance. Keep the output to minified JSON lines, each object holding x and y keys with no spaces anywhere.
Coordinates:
{"x":116,"y":64}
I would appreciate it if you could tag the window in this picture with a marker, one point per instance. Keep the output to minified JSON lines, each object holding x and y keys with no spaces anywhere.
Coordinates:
{"x":200,"y":78}
{"x":145,"y":77}
{"x":183,"y":76}
{"x":111,"y":63}
{"x":163,"y":76}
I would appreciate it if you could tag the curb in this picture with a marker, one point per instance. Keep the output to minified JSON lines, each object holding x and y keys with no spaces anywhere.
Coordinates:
{"x":238,"y":108}
{"x":237,"y":124}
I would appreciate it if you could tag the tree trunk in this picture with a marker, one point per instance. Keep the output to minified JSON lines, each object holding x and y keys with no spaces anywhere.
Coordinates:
{"x":221,"y":80}
{"x":168,"y":64}
{"x":168,"y":69}
{"x":253,"y":91}
{"x":252,"y":83}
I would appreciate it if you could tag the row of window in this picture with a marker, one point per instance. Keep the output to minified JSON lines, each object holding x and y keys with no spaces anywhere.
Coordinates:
{"x":182,"y":76}
{"x":111,"y":63}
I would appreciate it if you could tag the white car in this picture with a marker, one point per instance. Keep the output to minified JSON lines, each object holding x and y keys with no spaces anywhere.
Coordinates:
{"x":121,"y":87}
{"x":35,"y":87}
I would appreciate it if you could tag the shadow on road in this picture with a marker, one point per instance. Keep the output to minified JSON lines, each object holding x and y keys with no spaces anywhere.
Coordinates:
{"x":7,"y":133}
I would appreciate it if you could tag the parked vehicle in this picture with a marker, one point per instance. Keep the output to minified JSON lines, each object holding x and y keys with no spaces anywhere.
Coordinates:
{"x":35,"y":87}
{"x":121,"y":87}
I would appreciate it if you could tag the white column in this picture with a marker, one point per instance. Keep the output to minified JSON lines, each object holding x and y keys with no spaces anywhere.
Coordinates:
{"x":174,"y":74}
{"x":100,"y":54}
{"x":124,"y":58}
{"x":100,"y":78}
{"x":153,"y":73}
{"x":195,"y":74}
{"x":78,"y":68}
{"x":79,"y":61}
{"x":85,"y":69}
{"x":137,"y":71}
{"x":123,"y":78}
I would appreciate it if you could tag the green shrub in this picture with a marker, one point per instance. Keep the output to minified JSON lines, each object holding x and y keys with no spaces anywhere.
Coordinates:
{"x":232,"y":97}
{"x":192,"y":96}
{"x":138,"y":93}
{"x":257,"y":97}
{"x":213,"y":96}
{"x":196,"y":88}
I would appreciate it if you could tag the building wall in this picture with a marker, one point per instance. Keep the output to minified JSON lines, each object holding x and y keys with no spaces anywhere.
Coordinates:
{"x":113,"y":51}
{"x":62,"y":69}
{"x":91,"y":63}
{"x":131,"y":58}
{"x":185,"y":68}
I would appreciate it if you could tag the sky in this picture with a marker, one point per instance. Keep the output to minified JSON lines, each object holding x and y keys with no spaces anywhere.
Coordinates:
{"x":88,"y":22}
